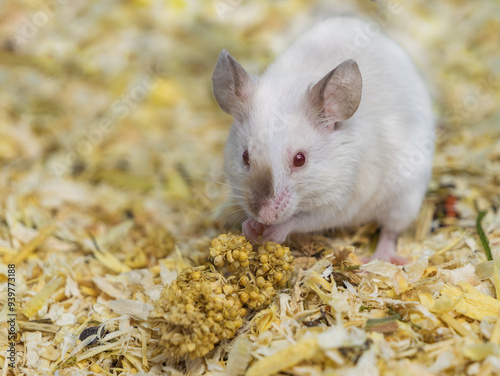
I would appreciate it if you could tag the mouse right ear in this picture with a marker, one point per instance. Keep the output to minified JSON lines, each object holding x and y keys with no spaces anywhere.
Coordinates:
{"x":230,"y":84}
{"x":336,"y":97}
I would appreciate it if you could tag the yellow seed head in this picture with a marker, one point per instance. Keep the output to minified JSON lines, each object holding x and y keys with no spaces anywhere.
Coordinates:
{"x":260,"y":282}
{"x":218,"y":317}
{"x":244,"y":297}
{"x":242,"y":312}
{"x":244,"y":281}
{"x":233,"y":313}
{"x":228,"y":289}
{"x":214,"y":252}
{"x":219,"y":261}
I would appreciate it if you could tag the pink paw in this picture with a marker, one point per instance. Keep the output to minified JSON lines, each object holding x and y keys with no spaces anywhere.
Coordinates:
{"x":387,"y":249}
{"x":399,"y":260}
{"x":275,"y":233}
{"x":253,"y":229}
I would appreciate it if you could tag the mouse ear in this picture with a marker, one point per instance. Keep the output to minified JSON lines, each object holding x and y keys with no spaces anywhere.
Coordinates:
{"x":230,"y":84}
{"x":336,"y":97}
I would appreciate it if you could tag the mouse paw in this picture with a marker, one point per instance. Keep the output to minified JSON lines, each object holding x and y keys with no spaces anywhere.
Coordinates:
{"x":387,"y":249}
{"x":252,"y":229}
{"x":275,"y":233}
{"x":399,"y":260}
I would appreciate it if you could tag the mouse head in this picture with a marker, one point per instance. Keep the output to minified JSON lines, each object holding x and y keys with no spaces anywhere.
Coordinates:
{"x":288,"y":150}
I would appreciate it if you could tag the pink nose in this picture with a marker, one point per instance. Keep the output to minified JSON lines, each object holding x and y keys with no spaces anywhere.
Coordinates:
{"x":270,"y":212}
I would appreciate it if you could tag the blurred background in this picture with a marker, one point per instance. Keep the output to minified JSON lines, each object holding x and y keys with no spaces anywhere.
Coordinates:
{"x":111,"y":144}
{"x":107,"y":104}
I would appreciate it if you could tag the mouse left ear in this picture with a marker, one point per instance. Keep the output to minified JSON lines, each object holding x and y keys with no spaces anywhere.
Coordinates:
{"x":336,"y":96}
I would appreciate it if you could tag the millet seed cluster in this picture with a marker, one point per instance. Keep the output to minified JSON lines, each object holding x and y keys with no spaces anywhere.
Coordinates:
{"x":202,"y":306}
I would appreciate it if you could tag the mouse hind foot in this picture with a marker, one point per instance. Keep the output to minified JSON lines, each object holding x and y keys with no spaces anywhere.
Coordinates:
{"x":387,"y":249}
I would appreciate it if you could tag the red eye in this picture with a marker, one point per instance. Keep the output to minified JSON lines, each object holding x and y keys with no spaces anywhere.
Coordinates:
{"x":246,"y":158}
{"x":299,"y":160}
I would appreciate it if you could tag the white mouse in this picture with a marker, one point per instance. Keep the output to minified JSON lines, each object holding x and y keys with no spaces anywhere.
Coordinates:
{"x":337,"y":132}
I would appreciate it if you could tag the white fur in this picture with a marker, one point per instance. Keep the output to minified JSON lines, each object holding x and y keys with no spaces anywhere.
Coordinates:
{"x":374,"y":167}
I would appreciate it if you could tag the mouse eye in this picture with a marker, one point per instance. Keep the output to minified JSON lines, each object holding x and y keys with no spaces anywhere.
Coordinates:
{"x":246,"y":158}
{"x":299,"y":160}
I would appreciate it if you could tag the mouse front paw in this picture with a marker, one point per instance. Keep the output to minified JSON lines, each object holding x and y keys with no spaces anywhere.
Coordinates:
{"x":252,"y":229}
{"x":276,"y":233}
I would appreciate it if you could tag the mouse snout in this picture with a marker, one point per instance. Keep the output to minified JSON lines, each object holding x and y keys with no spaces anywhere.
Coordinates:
{"x":266,"y":202}
{"x":270,"y":210}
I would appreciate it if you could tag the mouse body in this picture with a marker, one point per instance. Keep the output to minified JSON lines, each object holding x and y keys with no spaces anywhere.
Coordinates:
{"x":334,"y":133}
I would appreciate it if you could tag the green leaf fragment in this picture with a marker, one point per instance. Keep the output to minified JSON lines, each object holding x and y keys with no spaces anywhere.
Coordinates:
{"x":482,"y":236}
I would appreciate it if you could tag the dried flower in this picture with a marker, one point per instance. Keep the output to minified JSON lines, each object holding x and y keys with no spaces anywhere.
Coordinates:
{"x":193,"y":316}
{"x":233,"y":250}
{"x":201,"y":307}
